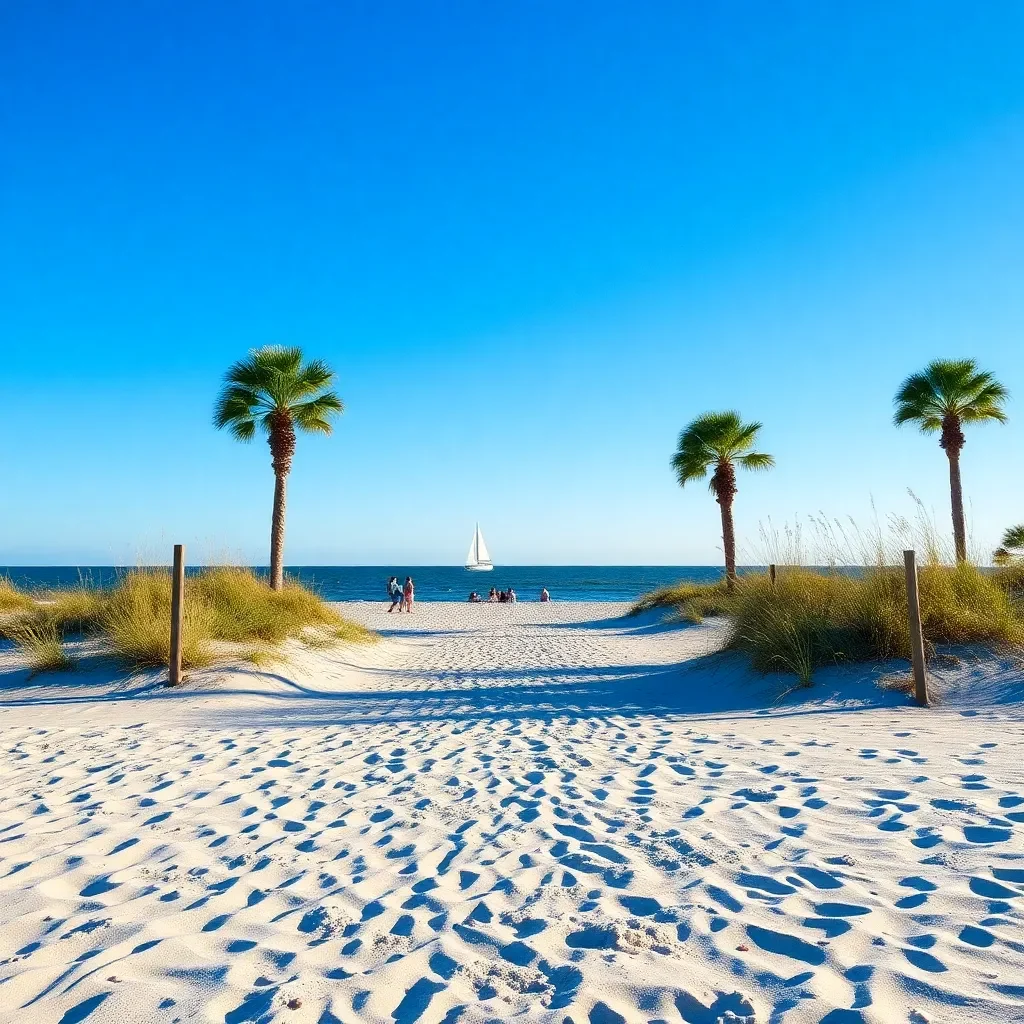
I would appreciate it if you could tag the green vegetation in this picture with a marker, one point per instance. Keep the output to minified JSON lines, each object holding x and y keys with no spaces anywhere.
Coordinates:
{"x":1011,"y":548}
{"x":12,"y":599}
{"x":272,"y":389}
{"x":946,"y":395}
{"x":812,"y":618}
{"x":245,"y":610}
{"x":224,"y":608}
{"x":135,"y":621}
{"x":42,"y":645}
{"x":689,"y":602}
{"x":722,"y":440}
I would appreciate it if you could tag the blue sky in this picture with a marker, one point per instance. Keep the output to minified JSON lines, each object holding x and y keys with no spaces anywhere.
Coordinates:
{"x":533,"y":240}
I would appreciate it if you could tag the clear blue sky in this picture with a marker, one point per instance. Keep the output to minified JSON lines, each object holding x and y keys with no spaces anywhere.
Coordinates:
{"x":533,"y":239}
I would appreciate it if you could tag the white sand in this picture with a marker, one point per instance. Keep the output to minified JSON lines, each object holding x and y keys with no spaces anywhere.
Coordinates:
{"x":535,"y":812}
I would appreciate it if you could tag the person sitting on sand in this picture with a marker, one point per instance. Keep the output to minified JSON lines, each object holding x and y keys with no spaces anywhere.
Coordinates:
{"x":474,"y":598}
{"x":408,"y":593}
{"x":544,"y":595}
{"x":492,"y":597}
{"x":511,"y":596}
{"x":502,"y":597}
{"x":395,"y":594}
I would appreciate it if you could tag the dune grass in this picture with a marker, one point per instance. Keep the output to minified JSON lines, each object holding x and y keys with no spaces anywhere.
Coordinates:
{"x":810,"y":619}
{"x":135,"y":622}
{"x":12,"y":599}
{"x":224,"y":608}
{"x":246,"y":610}
{"x":689,"y":602}
{"x":827,"y":615}
{"x":42,"y":645}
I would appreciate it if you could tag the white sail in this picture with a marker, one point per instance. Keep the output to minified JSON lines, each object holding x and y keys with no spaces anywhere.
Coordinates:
{"x":483,"y":556}
{"x":478,"y":556}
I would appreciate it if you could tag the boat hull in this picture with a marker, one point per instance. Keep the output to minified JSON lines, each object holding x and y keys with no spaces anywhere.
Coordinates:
{"x":479,"y":568}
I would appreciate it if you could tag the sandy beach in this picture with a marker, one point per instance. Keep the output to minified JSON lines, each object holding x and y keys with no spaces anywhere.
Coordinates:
{"x":510,"y":812}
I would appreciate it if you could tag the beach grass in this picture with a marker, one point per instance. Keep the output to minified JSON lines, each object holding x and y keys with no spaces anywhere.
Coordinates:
{"x":246,"y":610}
{"x":136,"y":616}
{"x":76,"y":610}
{"x":840,"y":596}
{"x":224,"y":608}
{"x":688,"y":602}
{"x":41,"y":643}
{"x":809,"y":619}
{"x":12,"y":599}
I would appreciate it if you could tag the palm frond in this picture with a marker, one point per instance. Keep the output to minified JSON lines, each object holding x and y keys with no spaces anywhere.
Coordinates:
{"x":315,"y":415}
{"x":1013,"y":537}
{"x":713,"y":438}
{"x":949,"y":387}
{"x":273,"y":379}
{"x":315,"y":376}
{"x":234,"y":402}
{"x":756,"y":460}
{"x":243,"y":430}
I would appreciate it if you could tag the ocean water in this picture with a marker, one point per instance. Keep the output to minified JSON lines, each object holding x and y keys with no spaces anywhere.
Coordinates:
{"x":433,"y":582}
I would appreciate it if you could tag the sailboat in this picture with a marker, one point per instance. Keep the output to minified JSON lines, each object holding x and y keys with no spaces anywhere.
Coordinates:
{"x":479,"y":558}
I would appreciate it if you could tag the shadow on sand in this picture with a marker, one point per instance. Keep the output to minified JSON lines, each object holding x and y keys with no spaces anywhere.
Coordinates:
{"x":713,"y":686}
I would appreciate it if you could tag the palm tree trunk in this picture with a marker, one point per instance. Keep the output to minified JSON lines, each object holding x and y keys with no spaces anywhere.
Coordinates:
{"x":952,"y":442}
{"x":729,"y":544}
{"x":956,"y":497}
{"x":282,"y":447}
{"x":724,"y":484}
{"x":277,"y":533}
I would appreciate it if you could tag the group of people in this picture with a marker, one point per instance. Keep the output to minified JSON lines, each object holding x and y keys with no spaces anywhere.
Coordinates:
{"x":401,"y":596}
{"x":503,"y":596}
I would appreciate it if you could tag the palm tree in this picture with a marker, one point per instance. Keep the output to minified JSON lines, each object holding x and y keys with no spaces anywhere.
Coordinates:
{"x":1011,"y":547}
{"x":719,"y":439}
{"x":948,"y":394}
{"x":275,"y":390}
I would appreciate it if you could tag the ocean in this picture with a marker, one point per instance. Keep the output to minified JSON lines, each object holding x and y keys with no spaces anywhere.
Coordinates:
{"x":433,"y":582}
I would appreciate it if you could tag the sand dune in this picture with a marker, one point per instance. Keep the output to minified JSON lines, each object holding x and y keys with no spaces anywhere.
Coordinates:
{"x":532,"y":812}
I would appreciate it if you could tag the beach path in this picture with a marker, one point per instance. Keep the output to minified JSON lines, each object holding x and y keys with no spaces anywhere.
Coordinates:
{"x":531,"y":812}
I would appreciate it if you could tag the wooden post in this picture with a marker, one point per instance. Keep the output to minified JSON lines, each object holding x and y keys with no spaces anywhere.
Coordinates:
{"x":916,"y":637}
{"x":771,"y":573}
{"x":177,"y":598}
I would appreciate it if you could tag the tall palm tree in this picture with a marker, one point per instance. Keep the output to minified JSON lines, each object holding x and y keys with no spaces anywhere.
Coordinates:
{"x":722,"y":440}
{"x":948,"y":394}
{"x":274,"y":390}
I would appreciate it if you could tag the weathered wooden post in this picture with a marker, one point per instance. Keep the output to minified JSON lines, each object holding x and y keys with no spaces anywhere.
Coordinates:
{"x":177,"y":599}
{"x":916,"y":637}
{"x":771,"y":573}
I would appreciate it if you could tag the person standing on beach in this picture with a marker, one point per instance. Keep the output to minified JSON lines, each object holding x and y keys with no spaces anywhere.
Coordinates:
{"x":544,"y":595}
{"x":409,"y":593}
{"x":395,"y":593}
